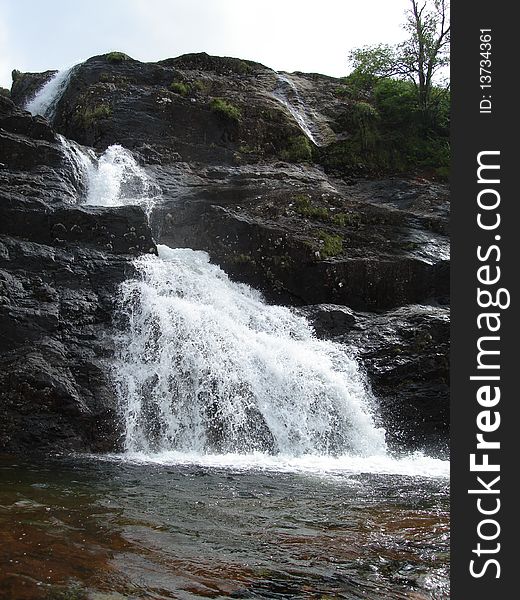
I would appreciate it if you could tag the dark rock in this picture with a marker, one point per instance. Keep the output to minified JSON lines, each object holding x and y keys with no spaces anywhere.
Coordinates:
{"x":25,"y":85}
{"x":60,"y":266}
{"x":329,"y":320}
{"x":254,"y":223}
{"x":406,"y":355}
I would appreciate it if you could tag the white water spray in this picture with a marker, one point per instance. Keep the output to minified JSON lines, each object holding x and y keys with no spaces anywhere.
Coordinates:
{"x":118,"y":180}
{"x":46,"y":99}
{"x":206,"y":366}
{"x":82,"y":163}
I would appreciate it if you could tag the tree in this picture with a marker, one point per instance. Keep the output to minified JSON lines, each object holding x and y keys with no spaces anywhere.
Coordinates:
{"x":419,"y":58}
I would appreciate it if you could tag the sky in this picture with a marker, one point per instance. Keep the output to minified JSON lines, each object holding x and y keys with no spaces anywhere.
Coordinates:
{"x":286,"y":35}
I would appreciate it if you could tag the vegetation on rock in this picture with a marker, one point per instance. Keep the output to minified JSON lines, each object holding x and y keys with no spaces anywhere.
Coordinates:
{"x":117,"y":57}
{"x":298,"y":149}
{"x":331,"y":245}
{"x":225,"y":109}
{"x":180,"y":88}
{"x":397,"y":117}
{"x":92,"y":114}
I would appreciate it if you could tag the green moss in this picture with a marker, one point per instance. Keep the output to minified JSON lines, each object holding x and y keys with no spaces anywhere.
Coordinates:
{"x":342,"y":91}
{"x":332,"y":245}
{"x":303,"y":206}
{"x":298,"y":149}
{"x":95,"y":113}
{"x":200,"y":86}
{"x":225,"y":109}
{"x":180,"y":88}
{"x":117,"y":57}
{"x":346,"y":219}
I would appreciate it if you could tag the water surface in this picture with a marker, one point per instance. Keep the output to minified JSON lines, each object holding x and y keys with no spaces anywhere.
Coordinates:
{"x":78,"y":527}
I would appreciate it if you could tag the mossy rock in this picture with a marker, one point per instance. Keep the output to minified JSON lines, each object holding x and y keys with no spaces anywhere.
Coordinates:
{"x":178,"y":87}
{"x":117,"y":57}
{"x":298,"y":149}
{"x":330,"y":244}
{"x":225,"y":109}
{"x":92,"y":114}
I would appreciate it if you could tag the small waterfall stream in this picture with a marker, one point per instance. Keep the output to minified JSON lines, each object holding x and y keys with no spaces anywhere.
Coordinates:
{"x":46,"y":99}
{"x":287,"y":93}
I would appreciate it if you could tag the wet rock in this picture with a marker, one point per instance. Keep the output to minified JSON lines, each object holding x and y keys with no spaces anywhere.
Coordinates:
{"x":304,"y":238}
{"x":406,"y":355}
{"x":60,"y":266}
{"x":329,"y":320}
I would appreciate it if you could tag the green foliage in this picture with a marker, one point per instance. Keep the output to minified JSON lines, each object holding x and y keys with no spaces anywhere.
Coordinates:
{"x":390,"y":131}
{"x":180,"y":88}
{"x":117,"y":57}
{"x":15,"y":74}
{"x":95,"y":113}
{"x":346,"y":219}
{"x":4,"y":92}
{"x":298,"y":149}
{"x":200,"y":86}
{"x":304,"y":207}
{"x":365,"y":117}
{"x":372,"y":62}
{"x":332,"y":245}
{"x":225,"y":109}
{"x":418,"y":58}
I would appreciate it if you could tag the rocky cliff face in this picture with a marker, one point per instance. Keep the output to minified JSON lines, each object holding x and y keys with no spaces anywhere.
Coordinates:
{"x":60,"y":265}
{"x":235,"y":148}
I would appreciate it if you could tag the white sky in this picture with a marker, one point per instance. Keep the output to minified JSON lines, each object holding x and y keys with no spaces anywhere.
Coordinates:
{"x":289,"y":35}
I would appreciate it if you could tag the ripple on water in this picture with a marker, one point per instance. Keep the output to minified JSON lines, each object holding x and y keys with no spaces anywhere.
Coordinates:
{"x":102,"y":528}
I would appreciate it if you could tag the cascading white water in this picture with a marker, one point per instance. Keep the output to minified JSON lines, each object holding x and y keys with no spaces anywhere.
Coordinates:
{"x":45,"y":100}
{"x":82,"y":162}
{"x":205,"y":365}
{"x":287,"y":93}
{"x":113,"y":179}
{"x":208,"y":373}
{"x":118,"y":180}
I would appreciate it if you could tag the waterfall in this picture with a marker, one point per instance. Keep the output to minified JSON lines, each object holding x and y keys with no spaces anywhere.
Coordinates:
{"x":82,"y":163}
{"x":287,"y":93}
{"x":46,"y":99}
{"x":119,"y":180}
{"x":204,"y":365}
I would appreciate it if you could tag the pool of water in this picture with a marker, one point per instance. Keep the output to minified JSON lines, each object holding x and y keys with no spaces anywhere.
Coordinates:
{"x":75,"y":528}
